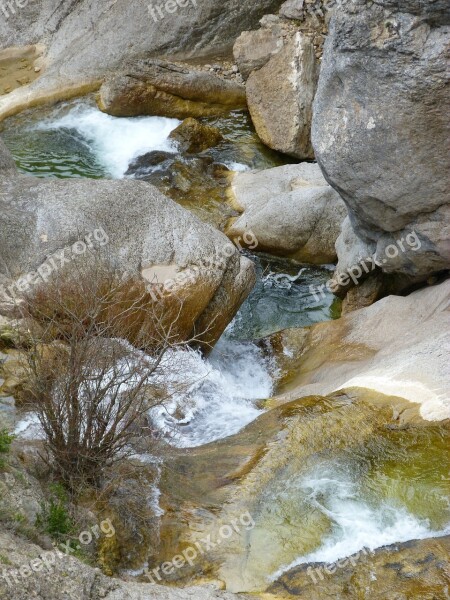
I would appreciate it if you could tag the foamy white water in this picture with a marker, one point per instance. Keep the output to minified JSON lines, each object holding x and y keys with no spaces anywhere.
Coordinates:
{"x":238,"y":167}
{"x":357,"y":524}
{"x":115,"y":141}
{"x":216,"y":397}
{"x":208,"y":399}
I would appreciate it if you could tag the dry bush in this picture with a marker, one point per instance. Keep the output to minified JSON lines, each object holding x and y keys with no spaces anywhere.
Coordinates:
{"x":89,"y":386}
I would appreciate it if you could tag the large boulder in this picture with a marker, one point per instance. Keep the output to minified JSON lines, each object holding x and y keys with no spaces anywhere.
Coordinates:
{"x":158,"y":87}
{"x":84,"y":40}
{"x":378,"y":130}
{"x":393,"y":347}
{"x":143,"y":233}
{"x":291,"y":210}
{"x":253,"y":49}
{"x":280,"y":97}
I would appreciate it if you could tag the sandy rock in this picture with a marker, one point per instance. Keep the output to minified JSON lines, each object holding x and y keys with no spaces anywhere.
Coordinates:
{"x":19,"y":66}
{"x":280,"y":97}
{"x":393,"y":133}
{"x":291,"y":211}
{"x":394,"y":347}
{"x":157,"y":87}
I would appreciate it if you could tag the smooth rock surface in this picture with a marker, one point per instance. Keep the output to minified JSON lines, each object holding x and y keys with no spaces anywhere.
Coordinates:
{"x":397,"y":346}
{"x":158,"y":87}
{"x":138,"y":228}
{"x":280,"y":98}
{"x":378,"y":128}
{"x":291,"y":210}
{"x":84,"y":40}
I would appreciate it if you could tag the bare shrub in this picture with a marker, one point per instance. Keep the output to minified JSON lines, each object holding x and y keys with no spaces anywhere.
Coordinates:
{"x":89,"y":386}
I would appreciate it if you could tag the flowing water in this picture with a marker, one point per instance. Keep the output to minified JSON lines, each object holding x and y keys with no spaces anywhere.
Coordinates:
{"x":75,"y":139}
{"x":401,"y":493}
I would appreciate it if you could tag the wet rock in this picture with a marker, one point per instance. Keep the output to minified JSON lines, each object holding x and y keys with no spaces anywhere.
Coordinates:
{"x":291,"y":210}
{"x":280,"y":97}
{"x":414,"y":569}
{"x":146,"y":161}
{"x":392,"y":132}
{"x":193,"y":137}
{"x":269,"y":471}
{"x":195,"y":182}
{"x":157,"y":87}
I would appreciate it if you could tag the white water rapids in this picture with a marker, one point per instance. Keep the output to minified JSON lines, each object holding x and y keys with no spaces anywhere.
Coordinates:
{"x":357,"y":522}
{"x":114,"y":141}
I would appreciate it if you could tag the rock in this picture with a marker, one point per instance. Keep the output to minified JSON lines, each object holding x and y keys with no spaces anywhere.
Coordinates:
{"x":157,"y":87}
{"x":72,"y":579}
{"x":393,"y":347}
{"x":7,"y":164}
{"x":364,"y":294}
{"x":358,"y":278}
{"x":148,"y":160}
{"x":253,"y":49}
{"x":280,"y":97}
{"x":19,"y":66}
{"x":195,"y":182}
{"x":270,"y":21}
{"x":193,"y":137}
{"x":292,"y":9}
{"x":143,"y":232}
{"x":76,"y":60}
{"x":381,"y":145}
{"x":410,"y":570}
{"x":20,"y":494}
{"x":291,"y":211}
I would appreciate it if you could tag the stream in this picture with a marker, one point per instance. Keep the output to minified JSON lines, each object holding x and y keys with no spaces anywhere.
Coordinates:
{"x":365,"y":500}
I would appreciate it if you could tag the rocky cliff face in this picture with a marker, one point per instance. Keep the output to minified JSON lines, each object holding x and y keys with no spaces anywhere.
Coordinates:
{"x":83,"y":40}
{"x":379,"y":128}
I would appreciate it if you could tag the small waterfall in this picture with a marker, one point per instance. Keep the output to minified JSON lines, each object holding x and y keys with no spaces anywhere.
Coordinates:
{"x":113,"y":141}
